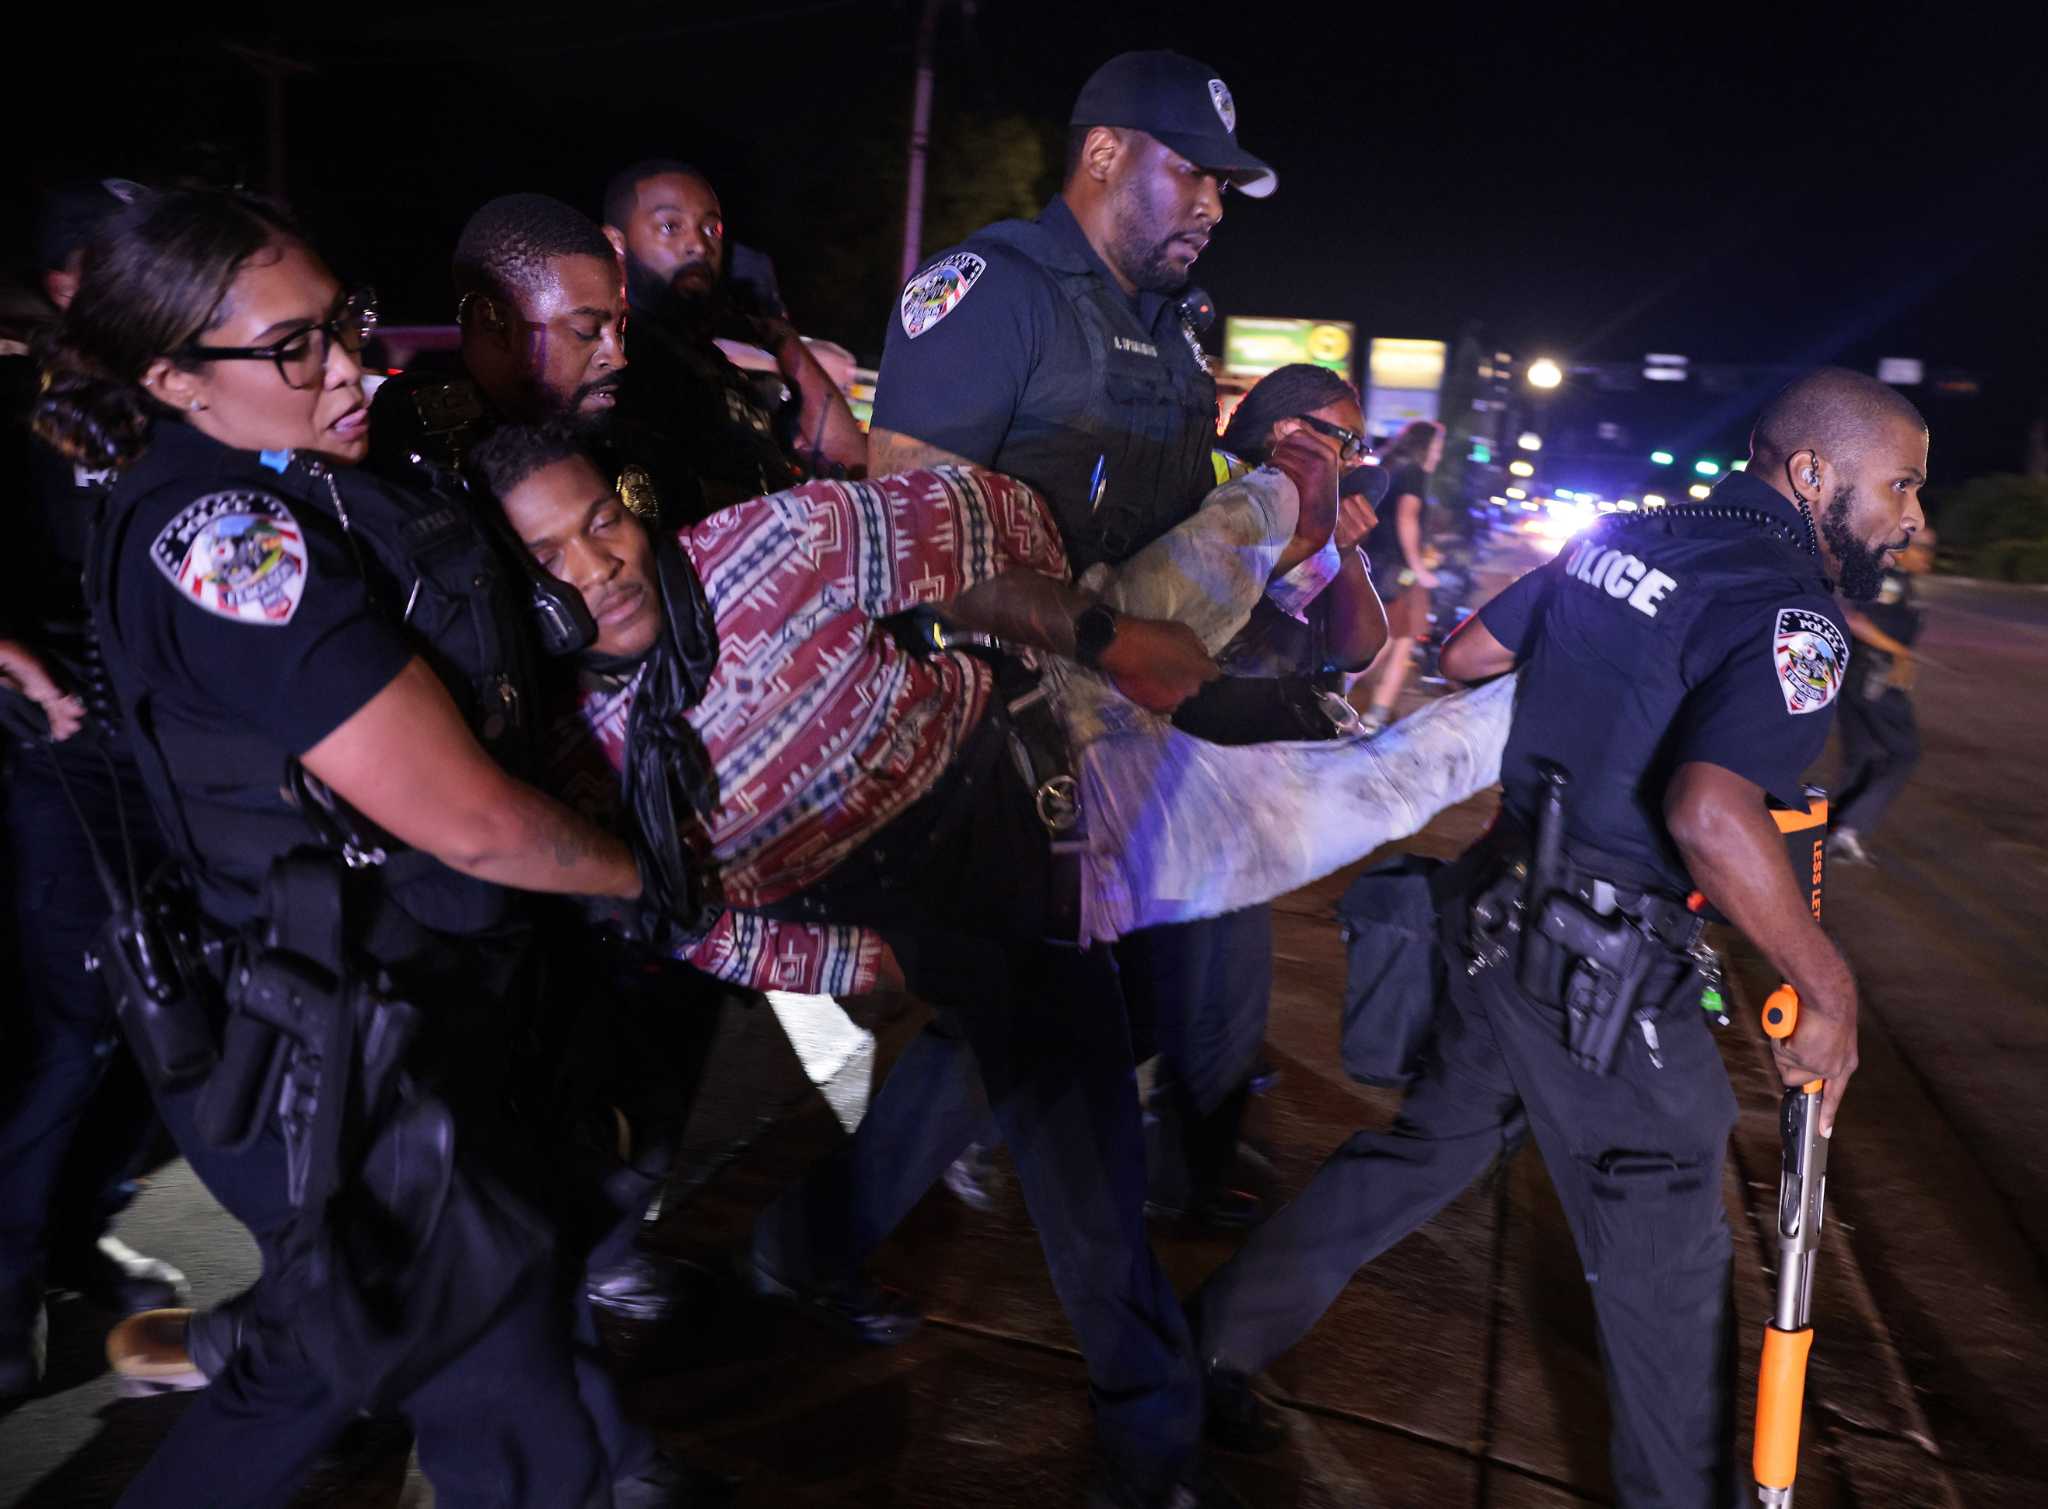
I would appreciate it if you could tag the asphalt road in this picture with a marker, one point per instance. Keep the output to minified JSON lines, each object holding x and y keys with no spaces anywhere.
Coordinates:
{"x":1460,"y":1369}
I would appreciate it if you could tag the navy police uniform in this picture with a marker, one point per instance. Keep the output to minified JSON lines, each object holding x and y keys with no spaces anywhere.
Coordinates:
{"x":1701,"y":634}
{"x":1017,"y":350}
{"x":250,"y":606}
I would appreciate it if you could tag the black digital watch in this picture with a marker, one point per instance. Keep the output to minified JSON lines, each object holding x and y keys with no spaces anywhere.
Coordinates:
{"x":1094,"y":629}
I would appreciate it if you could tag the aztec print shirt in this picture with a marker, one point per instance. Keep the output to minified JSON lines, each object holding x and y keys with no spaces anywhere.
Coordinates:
{"x":820,"y":726}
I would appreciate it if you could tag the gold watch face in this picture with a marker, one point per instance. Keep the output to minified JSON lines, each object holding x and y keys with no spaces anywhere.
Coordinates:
{"x":636,"y":491}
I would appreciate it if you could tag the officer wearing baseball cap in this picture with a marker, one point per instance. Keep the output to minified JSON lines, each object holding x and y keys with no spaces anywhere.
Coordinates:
{"x":1058,"y":350}
{"x":1061,"y":351}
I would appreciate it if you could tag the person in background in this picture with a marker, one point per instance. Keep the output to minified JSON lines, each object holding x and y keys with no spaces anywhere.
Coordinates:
{"x":1880,"y":738}
{"x":664,"y":220}
{"x":1395,"y":547}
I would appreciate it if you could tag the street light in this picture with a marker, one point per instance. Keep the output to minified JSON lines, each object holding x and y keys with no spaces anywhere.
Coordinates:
{"x":1653,"y":500}
{"x":1521,"y":468}
{"x":1699,"y":490}
{"x":1517,"y":493}
{"x":1545,"y":373}
{"x":1529,"y":440}
{"x":1661,"y":458}
{"x":1707,"y":468}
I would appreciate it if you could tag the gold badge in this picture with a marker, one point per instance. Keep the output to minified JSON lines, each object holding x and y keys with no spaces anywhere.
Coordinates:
{"x":636,"y":491}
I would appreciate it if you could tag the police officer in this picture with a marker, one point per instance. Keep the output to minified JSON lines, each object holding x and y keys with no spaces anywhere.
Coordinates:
{"x":75,"y":1120}
{"x":1059,"y":350}
{"x":1063,"y":351}
{"x":1677,"y":670}
{"x":525,"y":263}
{"x":309,"y":664}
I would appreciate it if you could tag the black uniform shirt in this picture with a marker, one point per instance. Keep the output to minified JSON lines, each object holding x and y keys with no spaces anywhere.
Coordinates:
{"x":996,"y":355}
{"x":1657,"y":640}
{"x":240,"y":617}
{"x":239,"y":594}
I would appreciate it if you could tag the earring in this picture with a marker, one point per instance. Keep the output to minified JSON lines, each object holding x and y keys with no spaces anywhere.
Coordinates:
{"x":195,"y":406}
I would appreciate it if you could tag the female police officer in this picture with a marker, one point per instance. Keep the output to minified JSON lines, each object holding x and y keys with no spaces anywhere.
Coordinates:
{"x":270,"y":614}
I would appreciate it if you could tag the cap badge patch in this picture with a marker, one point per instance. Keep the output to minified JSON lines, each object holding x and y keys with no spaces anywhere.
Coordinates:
{"x":238,"y":554}
{"x":1810,"y":655}
{"x":934,"y":293}
{"x":1226,"y":108}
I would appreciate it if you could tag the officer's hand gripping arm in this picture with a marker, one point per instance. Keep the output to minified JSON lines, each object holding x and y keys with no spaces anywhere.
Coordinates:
{"x":1736,"y":856}
{"x":407,"y":762}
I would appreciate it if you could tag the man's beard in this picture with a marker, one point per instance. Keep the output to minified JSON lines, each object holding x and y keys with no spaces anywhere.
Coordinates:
{"x":1859,"y":568}
{"x":652,"y":296}
{"x":1138,"y":257}
{"x":589,"y":426}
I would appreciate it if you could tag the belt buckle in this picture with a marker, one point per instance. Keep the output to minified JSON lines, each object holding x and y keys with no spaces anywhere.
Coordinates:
{"x":1058,"y":801}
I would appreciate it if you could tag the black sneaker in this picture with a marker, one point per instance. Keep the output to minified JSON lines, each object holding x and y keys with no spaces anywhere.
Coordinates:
{"x":857,"y":1307}
{"x":644,"y":1287}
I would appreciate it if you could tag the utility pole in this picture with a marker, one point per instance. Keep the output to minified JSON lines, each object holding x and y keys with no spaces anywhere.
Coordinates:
{"x":920,"y":140}
{"x":274,"y":67}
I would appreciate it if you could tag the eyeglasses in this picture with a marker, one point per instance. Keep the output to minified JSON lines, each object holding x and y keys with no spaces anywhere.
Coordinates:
{"x":299,"y":358}
{"x":1354,"y":445}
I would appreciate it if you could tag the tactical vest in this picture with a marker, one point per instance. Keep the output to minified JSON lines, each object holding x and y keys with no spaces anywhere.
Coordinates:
{"x":224,"y":794}
{"x":1601,"y":690}
{"x":1148,"y":421}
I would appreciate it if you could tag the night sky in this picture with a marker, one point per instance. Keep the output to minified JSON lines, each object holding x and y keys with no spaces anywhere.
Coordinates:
{"x":1774,"y":186}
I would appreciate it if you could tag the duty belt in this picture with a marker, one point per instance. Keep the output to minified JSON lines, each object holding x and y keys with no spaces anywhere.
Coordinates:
{"x":1602,"y":951}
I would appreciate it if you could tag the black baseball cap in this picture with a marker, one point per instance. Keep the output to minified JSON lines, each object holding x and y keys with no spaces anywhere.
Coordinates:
{"x":1180,"y":101}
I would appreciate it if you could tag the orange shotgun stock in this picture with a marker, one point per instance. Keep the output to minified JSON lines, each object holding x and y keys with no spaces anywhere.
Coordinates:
{"x":1802,"y":1190}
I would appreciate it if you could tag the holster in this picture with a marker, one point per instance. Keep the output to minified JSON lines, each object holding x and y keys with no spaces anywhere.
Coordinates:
{"x":1044,"y":757}
{"x":1598,"y":951}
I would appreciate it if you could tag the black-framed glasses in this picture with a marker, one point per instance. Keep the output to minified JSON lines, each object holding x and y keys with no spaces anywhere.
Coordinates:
{"x":1354,"y":445}
{"x":299,"y":357}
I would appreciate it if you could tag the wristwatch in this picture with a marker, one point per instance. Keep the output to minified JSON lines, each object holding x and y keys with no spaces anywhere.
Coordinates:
{"x":1094,"y":629}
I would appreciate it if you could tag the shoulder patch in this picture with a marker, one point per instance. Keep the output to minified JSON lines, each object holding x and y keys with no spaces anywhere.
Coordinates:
{"x":239,"y":554}
{"x":937,"y":291}
{"x":1809,"y":655}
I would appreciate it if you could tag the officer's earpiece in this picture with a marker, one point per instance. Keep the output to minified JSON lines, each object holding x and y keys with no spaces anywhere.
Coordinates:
{"x":486,"y":306}
{"x":1813,"y":476}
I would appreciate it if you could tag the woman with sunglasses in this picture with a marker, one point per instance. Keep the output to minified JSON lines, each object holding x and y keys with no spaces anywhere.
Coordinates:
{"x":311,"y":661}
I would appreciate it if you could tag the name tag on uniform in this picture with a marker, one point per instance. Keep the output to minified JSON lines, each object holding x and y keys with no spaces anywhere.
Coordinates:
{"x":1619,"y":575}
{"x":1137,"y":348}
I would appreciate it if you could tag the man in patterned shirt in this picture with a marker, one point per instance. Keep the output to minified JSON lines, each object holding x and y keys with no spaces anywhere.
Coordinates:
{"x":842,"y":777}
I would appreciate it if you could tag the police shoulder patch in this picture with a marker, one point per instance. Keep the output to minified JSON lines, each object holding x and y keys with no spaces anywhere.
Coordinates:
{"x":239,"y":554}
{"x":1810,"y":656}
{"x":937,"y":291}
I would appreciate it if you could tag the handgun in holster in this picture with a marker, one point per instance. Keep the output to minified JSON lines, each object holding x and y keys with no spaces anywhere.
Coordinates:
{"x":304,"y":1036}
{"x":1592,"y":966}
